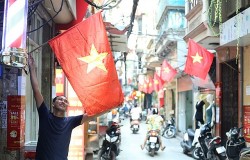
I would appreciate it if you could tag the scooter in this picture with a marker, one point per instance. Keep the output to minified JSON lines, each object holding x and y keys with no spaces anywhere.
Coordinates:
{"x":211,"y":146}
{"x":135,"y":125}
{"x":190,"y":143}
{"x":235,"y":143}
{"x":169,"y":130}
{"x":111,"y":144}
{"x":245,"y":154}
{"x":153,"y":143}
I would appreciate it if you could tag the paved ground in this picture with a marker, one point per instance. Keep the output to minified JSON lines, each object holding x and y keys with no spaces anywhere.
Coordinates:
{"x":130,"y":146}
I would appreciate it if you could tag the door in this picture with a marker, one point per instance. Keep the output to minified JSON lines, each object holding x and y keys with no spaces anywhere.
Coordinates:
{"x":229,"y":74}
{"x":182,"y":112}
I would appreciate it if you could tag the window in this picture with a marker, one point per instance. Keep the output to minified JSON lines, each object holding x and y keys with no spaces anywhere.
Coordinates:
{"x":31,"y":116}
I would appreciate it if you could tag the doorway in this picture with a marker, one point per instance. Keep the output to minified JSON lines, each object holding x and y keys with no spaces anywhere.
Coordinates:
{"x":229,"y":74}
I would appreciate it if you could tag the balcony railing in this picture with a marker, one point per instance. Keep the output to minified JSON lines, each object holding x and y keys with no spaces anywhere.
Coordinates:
{"x":193,"y":3}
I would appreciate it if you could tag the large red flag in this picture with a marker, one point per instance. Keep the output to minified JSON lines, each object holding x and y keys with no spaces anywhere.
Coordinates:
{"x":85,"y":56}
{"x":167,"y":71}
{"x":198,"y":61}
{"x":158,"y":82}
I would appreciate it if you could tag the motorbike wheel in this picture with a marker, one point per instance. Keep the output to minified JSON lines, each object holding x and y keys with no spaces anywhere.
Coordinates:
{"x":169,"y":133}
{"x":152,"y":152}
{"x":185,"y":151}
{"x":102,"y":155}
{"x":197,"y":153}
{"x":216,"y":157}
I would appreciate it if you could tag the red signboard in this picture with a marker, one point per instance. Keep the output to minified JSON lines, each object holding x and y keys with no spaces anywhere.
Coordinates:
{"x":59,"y":81}
{"x":246,"y":123}
{"x":15,"y":121}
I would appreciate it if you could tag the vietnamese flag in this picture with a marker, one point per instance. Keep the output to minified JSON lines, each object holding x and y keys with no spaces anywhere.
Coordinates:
{"x":145,"y":86}
{"x":158,"y":82}
{"x":85,"y":56}
{"x":199,"y":60}
{"x":167,"y":71}
{"x":150,"y":85}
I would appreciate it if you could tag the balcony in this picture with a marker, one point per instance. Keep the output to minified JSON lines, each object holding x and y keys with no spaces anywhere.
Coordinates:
{"x":201,"y":27}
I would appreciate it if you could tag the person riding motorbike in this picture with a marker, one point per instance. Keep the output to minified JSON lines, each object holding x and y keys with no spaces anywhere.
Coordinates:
{"x":135,"y":113}
{"x":154,"y":122}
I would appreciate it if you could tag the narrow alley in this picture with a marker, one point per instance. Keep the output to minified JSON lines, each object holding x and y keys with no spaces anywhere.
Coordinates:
{"x":130,"y":146}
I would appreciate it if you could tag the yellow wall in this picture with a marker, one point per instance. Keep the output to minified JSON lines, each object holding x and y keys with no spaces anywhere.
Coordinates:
{"x":246,"y":75}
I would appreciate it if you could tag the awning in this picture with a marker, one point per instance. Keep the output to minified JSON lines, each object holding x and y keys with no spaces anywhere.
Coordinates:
{"x":207,"y":83}
{"x":118,"y":43}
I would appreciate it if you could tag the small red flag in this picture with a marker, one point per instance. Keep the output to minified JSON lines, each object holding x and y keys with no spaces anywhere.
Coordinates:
{"x":85,"y":56}
{"x":199,"y":60}
{"x":167,"y":71}
{"x":150,"y":85}
{"x":145,"y":86}
{"x":158,"y":82}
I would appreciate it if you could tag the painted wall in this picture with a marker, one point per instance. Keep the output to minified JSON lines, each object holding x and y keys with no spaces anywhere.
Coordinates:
{"x":246,"y":76}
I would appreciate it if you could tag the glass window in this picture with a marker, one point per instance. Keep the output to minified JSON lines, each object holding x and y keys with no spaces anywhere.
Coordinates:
{"x":31,"y":116}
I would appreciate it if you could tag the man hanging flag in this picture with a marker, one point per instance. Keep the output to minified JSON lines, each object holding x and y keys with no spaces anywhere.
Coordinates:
{"x":158,"y":82}
{"x":167,"y":71}
{"x":198,"y":61}
{"x":85,"y":56}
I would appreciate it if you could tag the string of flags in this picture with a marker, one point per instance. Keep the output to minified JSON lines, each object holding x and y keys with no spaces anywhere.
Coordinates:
{"x":198,"y":63}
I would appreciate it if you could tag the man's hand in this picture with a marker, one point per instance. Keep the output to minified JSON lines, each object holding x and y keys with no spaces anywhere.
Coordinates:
{"x":31,"y":62}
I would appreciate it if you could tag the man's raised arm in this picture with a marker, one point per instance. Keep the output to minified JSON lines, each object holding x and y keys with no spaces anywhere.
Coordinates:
{"x":34,"y":82}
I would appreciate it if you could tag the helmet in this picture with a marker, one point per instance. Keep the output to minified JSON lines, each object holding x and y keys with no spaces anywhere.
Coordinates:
{"x":205,"y":129}
{"x":114,"y":111}
{"x":234,"y":133}
{"x":155,"y":111}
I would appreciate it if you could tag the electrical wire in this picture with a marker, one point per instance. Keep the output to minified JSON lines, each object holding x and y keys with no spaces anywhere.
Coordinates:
{"x":57,"y":12}
{"x":103,"y":7}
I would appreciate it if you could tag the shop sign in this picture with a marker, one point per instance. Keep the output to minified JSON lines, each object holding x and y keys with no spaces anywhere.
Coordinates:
{"x":246,"y":123}
{"x":15,"y":121}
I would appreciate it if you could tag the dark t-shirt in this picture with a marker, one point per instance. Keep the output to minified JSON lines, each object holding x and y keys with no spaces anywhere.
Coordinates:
{"x":54,"y":134}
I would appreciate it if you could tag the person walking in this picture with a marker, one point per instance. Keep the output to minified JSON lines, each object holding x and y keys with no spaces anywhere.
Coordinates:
{"x":54,"y":128}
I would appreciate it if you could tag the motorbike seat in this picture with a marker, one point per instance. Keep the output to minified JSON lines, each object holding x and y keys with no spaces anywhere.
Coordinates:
{"x":245,"y":150}
{"x":190,"y":132}
{"x":216,"y":139}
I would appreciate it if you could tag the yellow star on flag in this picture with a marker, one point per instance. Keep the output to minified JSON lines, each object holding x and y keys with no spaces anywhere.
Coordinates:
{"x":156,"y":81}
{"x":166,"y":69}
{"x":150,"y":84}
{"x":94,"y":59}
{"x":197,"y":58}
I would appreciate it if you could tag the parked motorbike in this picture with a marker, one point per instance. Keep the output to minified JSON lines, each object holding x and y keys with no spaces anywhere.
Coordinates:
{"x":111,"y":144}
{"x":153,"y":143}
{"x":245,"y":154}
{"x":135,"y":125}
{"x":235,"y":143}
{"x":211,"y":146}
{"x":190,"y":143}
{"x":169,"y":130}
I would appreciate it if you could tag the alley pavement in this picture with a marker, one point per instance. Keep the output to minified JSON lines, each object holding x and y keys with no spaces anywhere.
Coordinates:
{"x":130,"y":146}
